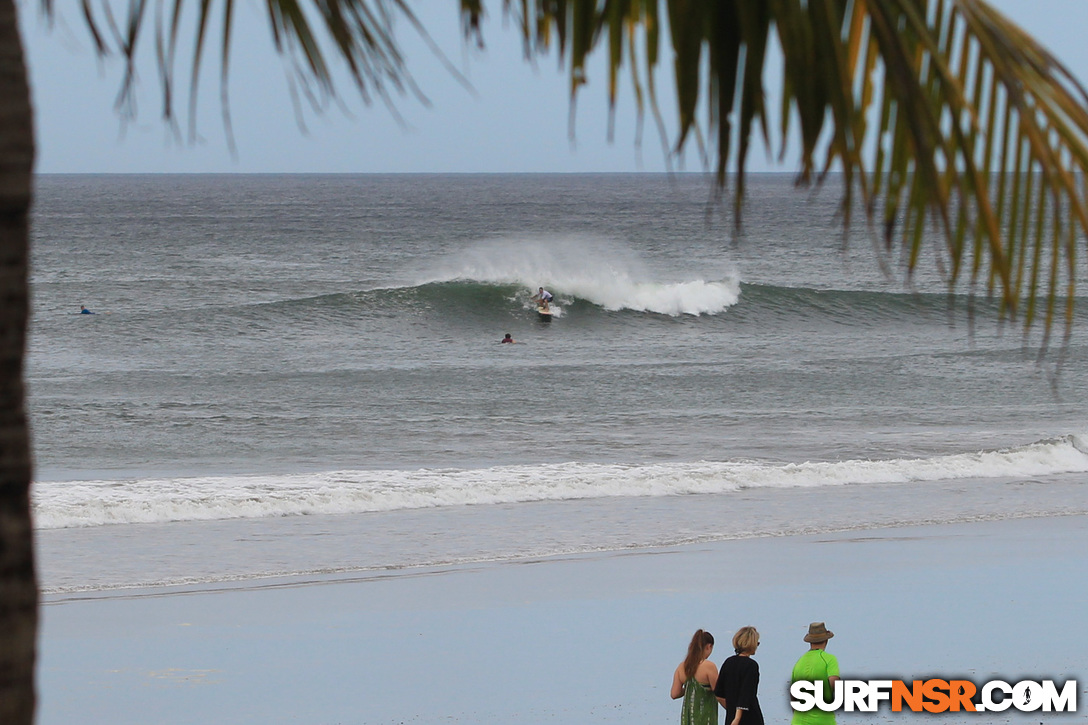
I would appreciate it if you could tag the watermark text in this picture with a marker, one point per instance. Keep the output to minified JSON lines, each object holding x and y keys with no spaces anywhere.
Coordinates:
{"x":936,"y":695}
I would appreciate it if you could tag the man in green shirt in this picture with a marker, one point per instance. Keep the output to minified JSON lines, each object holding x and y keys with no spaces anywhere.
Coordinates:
{"x":816,"y":665}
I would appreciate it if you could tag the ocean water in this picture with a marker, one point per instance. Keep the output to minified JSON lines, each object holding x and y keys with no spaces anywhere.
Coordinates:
{"x":288,"y":375}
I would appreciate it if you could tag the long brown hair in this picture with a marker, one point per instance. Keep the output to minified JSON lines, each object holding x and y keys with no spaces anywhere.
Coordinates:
{"x":699,"y":641}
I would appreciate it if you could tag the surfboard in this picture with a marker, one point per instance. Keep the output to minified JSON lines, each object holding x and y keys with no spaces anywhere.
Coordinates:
{"x":544,"y":314}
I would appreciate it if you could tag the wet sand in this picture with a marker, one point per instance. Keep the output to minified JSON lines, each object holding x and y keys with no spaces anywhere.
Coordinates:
{"x":571,"y":640}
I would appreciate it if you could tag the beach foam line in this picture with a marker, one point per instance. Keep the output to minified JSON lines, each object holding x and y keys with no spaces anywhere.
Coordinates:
{"x":69,"y":504}
{"x":283,"y":578}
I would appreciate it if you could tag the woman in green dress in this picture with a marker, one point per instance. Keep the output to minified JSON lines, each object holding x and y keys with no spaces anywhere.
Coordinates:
{"x":694,"y":680}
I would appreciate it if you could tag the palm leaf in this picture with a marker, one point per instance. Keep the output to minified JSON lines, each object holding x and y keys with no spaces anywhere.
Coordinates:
{"x":936,"y":112}
{"x":360,"y":33}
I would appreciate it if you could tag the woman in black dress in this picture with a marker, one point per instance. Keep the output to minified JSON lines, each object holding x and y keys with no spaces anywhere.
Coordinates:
{"x":738,"y":681}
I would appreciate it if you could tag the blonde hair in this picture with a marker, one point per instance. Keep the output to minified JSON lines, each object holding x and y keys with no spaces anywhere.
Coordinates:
{"x":745,"y":640}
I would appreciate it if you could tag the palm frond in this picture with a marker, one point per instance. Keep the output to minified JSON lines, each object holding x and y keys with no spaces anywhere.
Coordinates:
{"x":938,"y":113}
{"x":309,"y":35}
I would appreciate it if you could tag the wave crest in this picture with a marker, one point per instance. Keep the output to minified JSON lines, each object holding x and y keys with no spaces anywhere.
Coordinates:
{"x":599,"y":272}
{"x":95,"y":503}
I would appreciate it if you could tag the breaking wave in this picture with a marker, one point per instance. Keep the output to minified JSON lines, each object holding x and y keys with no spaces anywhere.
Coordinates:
{"x":69,"y":504}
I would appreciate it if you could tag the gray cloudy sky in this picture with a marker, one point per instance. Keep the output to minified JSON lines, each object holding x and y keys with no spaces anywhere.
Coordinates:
{"x":515,"y":121}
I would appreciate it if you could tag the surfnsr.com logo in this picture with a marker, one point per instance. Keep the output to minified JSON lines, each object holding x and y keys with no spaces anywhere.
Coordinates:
{"x":936,"y":696}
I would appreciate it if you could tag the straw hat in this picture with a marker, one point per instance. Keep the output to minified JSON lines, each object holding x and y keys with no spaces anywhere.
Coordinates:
{"x":817,"y":632}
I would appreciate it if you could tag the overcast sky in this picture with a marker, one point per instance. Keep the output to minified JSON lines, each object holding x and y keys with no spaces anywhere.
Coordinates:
{"x":515,"y":119}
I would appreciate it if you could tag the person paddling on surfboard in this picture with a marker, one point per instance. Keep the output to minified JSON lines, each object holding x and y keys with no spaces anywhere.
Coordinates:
{"x":508,"y":339}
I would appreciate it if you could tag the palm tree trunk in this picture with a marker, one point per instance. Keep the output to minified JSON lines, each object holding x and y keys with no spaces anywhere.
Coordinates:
{"x":18,"y":583}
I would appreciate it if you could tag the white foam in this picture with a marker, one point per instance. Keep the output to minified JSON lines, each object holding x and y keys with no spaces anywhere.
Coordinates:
{"x":95,"y":503}
{"x":597,"y":271}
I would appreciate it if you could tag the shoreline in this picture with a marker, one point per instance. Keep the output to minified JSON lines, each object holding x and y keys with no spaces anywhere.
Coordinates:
{"x":128,"y":556}
{"x":597,"y":634}
{"x":318,"y":577}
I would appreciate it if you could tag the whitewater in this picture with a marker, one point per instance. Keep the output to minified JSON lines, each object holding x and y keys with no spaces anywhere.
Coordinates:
{"x":593,"y":270}
{"x":63,"y":504}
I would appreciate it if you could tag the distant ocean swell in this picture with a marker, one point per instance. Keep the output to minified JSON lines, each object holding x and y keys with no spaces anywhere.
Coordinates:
{"x":71,"y":504}
{"x":728,"y":299}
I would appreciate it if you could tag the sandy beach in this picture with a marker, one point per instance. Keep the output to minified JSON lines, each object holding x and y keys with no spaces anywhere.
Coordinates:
{"x":587,"y":638}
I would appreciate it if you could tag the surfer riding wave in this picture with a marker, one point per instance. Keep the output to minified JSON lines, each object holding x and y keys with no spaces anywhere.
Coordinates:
{"x":543,"y":299}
